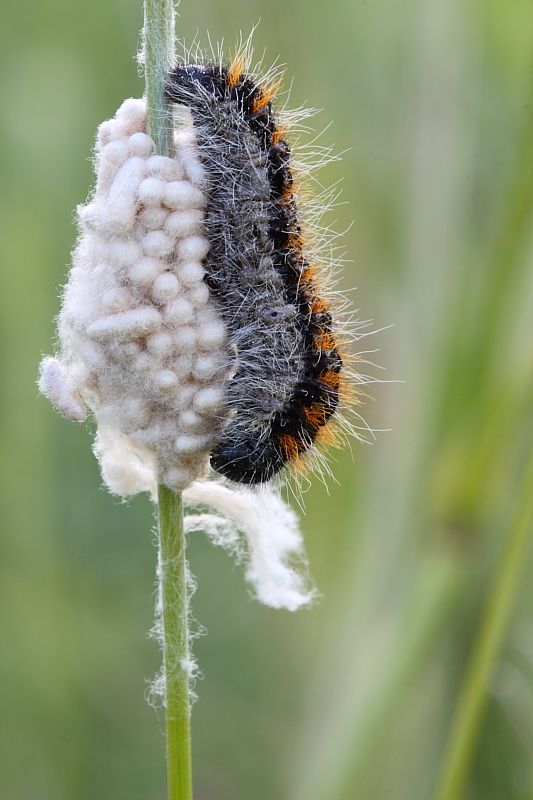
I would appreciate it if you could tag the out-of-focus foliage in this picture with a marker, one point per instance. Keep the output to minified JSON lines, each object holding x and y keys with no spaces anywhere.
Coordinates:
{"x":432,"y":100}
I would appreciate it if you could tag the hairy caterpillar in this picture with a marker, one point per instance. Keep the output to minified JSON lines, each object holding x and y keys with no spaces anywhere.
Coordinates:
{"x":289,"y":369}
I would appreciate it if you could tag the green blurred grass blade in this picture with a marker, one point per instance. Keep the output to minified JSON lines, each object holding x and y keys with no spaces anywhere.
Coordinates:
{"x":473,"y":698}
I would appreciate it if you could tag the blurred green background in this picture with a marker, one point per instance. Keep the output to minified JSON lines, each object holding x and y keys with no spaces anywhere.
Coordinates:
{"x":432,"y":100}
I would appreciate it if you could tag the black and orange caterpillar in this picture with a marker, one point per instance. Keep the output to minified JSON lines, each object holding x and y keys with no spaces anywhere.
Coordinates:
{"x":289,"y":369}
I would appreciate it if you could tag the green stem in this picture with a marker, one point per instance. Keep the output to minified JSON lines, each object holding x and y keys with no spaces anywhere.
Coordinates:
{"x":159,"y":50}
{"x":473,"y":697}
{"x":159,"y":36}
{"x":176,"y":658}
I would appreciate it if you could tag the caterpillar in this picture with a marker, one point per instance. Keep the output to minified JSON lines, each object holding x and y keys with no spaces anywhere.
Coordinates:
{"x":289,"y":369}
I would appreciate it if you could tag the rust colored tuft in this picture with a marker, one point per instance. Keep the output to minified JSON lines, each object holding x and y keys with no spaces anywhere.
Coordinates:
{"x":318,"y":305}
{"x":331,"y":378}
{"x":325,"y":341}
{"x":265,"y":96}
{"x":291,"y":445}
{"x":315,"y":416}
{"x":295,"y":241}
{"x":235,"y":70}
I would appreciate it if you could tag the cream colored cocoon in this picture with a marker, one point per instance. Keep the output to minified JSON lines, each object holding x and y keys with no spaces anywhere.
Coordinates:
{"x":142,"y":343}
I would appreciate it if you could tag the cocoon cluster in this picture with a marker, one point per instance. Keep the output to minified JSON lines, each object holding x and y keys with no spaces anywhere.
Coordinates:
{"x":143,"y":345}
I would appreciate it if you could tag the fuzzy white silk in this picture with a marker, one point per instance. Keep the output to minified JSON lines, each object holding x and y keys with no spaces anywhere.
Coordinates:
{"x":276,"y":566}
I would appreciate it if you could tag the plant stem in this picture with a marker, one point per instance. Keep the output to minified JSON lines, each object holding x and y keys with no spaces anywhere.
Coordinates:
{"x":473,"y":697}
{"x":158,"y":61}
{"x":159,"y":49}
{"x":176,"y":661}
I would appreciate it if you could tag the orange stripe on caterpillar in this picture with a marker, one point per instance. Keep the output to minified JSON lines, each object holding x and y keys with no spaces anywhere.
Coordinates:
{"x":318,"y":305}
{"x":235,"y":69}
{"x":326,"y":341}
{"x":265,"y":95}
{"x":331,"y":378}
{"x":316,"y":415}
{"x":291,"y":444}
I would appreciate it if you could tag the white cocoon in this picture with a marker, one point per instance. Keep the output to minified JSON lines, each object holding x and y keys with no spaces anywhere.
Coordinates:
{"x":129,"y":325}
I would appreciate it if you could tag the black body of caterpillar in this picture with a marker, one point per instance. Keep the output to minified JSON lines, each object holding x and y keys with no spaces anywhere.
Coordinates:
{"x":286,"y":385}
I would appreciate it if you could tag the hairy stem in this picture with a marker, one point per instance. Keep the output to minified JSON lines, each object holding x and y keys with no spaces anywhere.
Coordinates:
{"x":176,"y":659}
{"x":159,"y":37}
{"x":159,"y":50}
{"x":473,"y":698}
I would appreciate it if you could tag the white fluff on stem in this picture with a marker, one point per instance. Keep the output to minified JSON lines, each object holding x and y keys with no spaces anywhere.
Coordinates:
{"x":276,"y":566}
